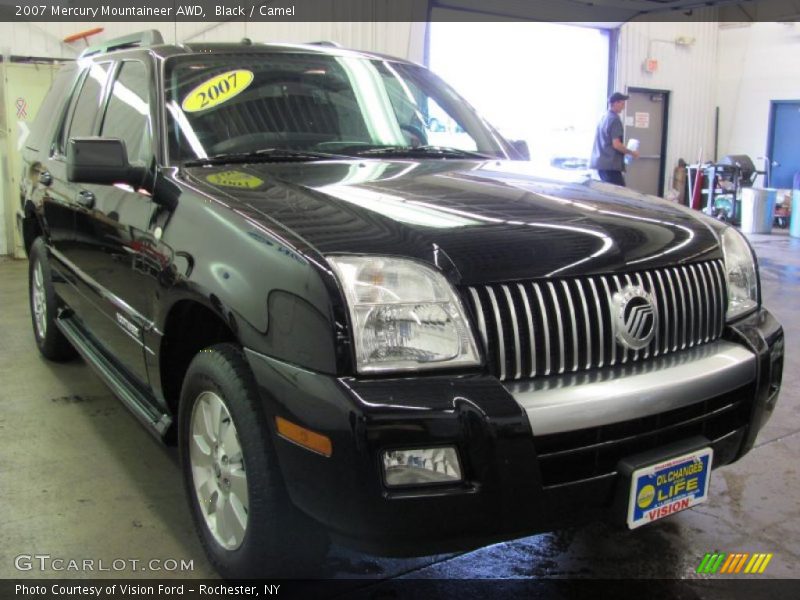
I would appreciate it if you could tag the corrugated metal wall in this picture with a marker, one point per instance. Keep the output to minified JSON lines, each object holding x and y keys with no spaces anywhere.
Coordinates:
{"x":404,"y":39}
{"x":758,"y":62}
{"x":687,"y":72}
{"x":38,"y":39}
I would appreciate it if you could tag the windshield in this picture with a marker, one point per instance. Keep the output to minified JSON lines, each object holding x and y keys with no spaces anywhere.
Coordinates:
{"x":226,"y":104}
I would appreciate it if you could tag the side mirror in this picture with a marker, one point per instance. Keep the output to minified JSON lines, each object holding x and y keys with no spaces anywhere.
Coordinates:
{"x":521,"y":148}
{"x":101,"y":160}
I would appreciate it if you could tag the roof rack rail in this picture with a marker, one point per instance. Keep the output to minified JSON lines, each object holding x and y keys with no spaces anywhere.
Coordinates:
{"x":149,"y":37}
{"x":325,"y":43}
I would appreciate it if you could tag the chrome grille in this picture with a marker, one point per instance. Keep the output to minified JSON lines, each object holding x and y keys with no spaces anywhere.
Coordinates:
{"x":540,"y":328}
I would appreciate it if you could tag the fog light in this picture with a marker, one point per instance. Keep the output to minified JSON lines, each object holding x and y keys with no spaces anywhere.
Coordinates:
{"x":421,"y":466}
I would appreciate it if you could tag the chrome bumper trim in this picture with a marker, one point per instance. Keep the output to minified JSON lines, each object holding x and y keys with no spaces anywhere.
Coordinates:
{"x":581,"y":400}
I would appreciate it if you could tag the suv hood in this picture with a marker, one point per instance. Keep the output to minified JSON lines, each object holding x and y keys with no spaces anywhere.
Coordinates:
{"x":491,"y":220}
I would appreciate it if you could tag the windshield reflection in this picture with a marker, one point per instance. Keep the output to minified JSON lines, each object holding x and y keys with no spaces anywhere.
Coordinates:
{"x":342,"y":105}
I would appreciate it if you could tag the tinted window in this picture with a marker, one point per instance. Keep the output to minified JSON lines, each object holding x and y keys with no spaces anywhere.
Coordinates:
{"x":88,"y":105}
{"x":61,"y":142}
{"x":128,"y":113}
{"x":228,"y":104}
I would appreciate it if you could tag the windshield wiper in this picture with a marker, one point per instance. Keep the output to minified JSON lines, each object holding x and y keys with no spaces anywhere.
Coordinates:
{"x":263,"y":155}
{"x":422,"y":151}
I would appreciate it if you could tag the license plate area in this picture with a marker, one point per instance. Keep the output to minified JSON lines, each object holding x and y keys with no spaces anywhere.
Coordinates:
{"x":668,"y":486}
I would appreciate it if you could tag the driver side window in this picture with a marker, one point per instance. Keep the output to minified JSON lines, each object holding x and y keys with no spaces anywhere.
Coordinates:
{"x":79,"y":120}
{"x":128,"y":114}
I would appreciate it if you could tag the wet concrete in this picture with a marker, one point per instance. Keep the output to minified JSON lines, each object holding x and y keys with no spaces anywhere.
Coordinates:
{"x":79,"y":478}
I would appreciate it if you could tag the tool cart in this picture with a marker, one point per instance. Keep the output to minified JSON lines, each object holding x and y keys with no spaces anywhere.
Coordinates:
{"x":721,"y":184}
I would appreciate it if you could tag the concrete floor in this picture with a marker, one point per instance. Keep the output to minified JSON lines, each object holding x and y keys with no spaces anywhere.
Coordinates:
{"x":80,"y":479}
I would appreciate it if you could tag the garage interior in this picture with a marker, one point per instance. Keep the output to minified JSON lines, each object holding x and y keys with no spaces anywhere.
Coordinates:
{"x":79,"y":477}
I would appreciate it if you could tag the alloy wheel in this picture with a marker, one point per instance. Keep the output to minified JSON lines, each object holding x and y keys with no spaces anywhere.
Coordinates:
{"x":39,"y":300}
{"x":218,"y":473}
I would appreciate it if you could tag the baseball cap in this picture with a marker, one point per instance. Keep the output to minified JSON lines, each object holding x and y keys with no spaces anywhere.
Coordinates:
{"x":616,"y":97}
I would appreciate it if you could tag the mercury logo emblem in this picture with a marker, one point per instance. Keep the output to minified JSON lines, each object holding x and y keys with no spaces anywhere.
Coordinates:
{"x":636,"y":317}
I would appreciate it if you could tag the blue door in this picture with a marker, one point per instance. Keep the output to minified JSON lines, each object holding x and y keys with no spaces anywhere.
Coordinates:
{"x":784,"y":142}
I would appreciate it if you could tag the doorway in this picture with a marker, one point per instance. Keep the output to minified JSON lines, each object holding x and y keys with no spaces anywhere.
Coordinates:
{"x":646,"y":119}
{"x":533,"y":63}
{"x":784,"y":131}
{"x":24,"y":88}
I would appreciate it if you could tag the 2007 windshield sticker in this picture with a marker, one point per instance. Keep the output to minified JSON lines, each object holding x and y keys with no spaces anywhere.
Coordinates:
{"x":235,"y":179}
{"x":217,"y":90}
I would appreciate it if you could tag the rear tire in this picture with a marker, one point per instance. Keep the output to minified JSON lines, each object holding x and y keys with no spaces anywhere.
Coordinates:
{"x":44,"y":306}
{"x":247,"y":524}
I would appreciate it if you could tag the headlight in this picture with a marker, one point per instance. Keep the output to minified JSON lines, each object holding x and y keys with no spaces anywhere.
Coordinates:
{"x":740,"y":274}
{"x":404,"y":315}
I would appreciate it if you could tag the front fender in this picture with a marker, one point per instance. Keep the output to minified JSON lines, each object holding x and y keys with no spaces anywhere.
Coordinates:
{"x":275,"y":295}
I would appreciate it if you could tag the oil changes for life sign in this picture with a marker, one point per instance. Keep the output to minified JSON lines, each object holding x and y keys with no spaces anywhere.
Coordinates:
{"x":668,"y":487}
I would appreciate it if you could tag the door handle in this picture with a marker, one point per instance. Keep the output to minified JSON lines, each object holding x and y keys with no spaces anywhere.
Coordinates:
{"x":45,"y":178}
{"x":86,"y":199}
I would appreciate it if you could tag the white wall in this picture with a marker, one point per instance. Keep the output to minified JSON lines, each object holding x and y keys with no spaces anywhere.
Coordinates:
{"x":403,"y":39}
{"x":757,"y":62}
{"x":38,"y":39}
{"x":688,"y":72}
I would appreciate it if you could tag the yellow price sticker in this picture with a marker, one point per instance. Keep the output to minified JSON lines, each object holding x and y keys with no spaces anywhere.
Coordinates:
{"x":235,"y":179}
{"x":217,"y":90}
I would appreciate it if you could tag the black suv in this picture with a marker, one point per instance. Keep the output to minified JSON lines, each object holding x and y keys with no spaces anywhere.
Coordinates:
{"x":327,"y":277}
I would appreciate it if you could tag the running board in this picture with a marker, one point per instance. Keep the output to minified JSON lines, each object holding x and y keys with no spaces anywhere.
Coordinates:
{"x":135,"y":400}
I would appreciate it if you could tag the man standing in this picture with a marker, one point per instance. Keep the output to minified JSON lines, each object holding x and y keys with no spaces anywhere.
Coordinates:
{"x":608,"y":154}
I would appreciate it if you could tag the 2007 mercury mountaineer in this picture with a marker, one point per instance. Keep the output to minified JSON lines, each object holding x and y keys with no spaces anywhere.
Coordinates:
{"x":329,"y":278}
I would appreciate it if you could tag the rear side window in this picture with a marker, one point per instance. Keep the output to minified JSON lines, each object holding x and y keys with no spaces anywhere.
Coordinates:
{"x":128,"y":114}
{"x":43,"y":127}
{"x":80,"y":119}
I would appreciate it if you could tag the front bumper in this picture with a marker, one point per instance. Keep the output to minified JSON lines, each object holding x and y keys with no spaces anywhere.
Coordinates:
{"x":526,"y":469}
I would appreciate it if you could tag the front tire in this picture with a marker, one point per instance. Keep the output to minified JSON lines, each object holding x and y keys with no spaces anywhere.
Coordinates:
{"x":246,"y":522}
{"x":44,"y":306}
